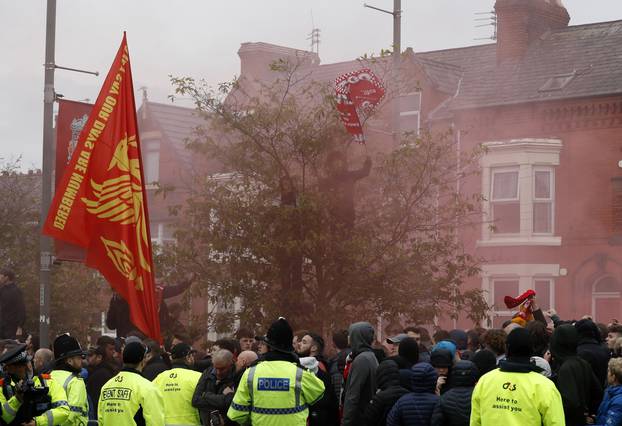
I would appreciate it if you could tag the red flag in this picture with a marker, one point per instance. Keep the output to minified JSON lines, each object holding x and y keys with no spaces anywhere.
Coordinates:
{"x":71,"y":119}
{"x":358,"y":93}
{"x":101,"y":202}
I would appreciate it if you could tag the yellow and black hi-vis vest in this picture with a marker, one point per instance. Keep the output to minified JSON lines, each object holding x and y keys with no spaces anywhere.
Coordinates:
{"x":45,"y":401}
{"x":275,"y":393}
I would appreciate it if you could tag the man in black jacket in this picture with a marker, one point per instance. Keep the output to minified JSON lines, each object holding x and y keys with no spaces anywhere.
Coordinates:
{"x":591,"y":349}
{"x":389,"y":391}
{"x":12,"y":308}
{"x":100,"y":371}
{"x":580,"y":391}
{"x":155,"y":363}
{"x":216,"y":388}
{"x":118,"y":316}
{"x":454,"y":407}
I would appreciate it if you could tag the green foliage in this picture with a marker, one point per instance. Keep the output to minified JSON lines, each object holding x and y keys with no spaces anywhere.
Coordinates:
{"x":402,"y":259}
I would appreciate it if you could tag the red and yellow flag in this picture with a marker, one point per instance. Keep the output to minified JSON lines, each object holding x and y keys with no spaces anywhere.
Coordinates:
{"x":100,"y":203}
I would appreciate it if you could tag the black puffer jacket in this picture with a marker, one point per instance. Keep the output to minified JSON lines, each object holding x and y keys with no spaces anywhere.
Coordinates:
{"x":573,"y":376}
{"x":416,"y":408}
{"x":389,"y":391}
{"x":591,"y":350}
{"x":454,"y":407}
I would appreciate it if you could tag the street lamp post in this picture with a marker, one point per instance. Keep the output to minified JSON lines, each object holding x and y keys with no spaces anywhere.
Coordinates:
{"x":395,"y":71}
{"x":45,"y":243}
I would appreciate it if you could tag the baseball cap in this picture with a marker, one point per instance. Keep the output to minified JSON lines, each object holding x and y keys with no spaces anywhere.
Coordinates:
{"x":181,"y":350}
{"x":395,"y":340}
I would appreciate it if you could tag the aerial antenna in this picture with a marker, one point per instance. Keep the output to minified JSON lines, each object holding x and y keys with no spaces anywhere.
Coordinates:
{"x":314,"y":36}
{"x":490,"y":19}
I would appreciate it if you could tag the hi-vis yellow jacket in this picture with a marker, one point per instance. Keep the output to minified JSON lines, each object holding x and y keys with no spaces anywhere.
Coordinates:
{"x":275,"y":393}
{"x":177,"y":386}
{"x":516,"y":399}
{"x":76,"y":396}
{"x":123,"y":395}
{"x":57,"y":413}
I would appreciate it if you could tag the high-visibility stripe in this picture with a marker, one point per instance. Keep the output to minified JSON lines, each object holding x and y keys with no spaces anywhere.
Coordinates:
{"x":298,"y":386}
{"x":50,"y":417}
{"x":59,"y":404}
{"x":10,"y":411}
{"x":293,"y":410}
{"x":78,"y":410}
{"x":67,"y":380}
{"x":240,"y":407}
{"x":249,"y":381}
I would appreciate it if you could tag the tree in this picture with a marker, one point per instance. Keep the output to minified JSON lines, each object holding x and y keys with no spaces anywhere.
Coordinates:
{"x":78,"y":294}
{"x":246,"y":232}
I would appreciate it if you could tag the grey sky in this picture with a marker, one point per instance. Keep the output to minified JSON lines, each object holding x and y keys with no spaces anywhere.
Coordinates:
{"x":201,"y":39}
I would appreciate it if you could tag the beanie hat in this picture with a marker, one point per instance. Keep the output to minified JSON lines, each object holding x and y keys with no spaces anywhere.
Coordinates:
{"x":441,"y":358}
{"x":485,"y":361}
{"x":409,"y":350}
{"x":280,"y":336}
{"x":447,"y":345}
{"x":460,"y":337}
{"x":587,"y":329}
{"x":134,"y":353}
{"x":519,"y":344}
{"x":564,"y":342}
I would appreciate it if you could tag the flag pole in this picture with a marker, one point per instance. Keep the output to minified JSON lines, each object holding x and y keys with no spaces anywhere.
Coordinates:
{"x":45,"y":242}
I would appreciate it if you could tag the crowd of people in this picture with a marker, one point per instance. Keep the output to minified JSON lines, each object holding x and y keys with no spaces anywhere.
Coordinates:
{"x":545,"y":372}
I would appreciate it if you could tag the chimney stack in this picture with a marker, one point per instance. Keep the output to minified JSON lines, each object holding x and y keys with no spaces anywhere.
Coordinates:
{"x":521,"y":22}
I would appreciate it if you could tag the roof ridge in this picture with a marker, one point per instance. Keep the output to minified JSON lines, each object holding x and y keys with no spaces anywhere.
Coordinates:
{"x":456,"y":48}
{"x":168,"y":105}
{"x":570,"y":27}
{"x":434,"y":61}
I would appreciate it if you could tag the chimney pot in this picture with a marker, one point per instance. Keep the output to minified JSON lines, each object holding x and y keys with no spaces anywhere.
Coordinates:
{"x":521,"y":22}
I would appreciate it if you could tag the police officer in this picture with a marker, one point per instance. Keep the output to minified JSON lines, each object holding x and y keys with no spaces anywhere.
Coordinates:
{"x":28,"y":400}
{"x":128,"y":398}
{"x":277,"y":390}
{"x":177,"y":386}
{"x":68,"y":364}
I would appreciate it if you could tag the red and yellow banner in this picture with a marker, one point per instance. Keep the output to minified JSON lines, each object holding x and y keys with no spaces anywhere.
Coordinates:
{"x":100,"y":203}
{"x":71,"y":119}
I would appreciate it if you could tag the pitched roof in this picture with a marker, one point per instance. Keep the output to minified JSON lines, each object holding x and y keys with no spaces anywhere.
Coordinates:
{"x":176,"y":123}
{"x":583,"y":60}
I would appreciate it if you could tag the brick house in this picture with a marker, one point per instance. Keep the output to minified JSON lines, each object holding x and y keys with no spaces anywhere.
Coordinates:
{"x":546,"y":101}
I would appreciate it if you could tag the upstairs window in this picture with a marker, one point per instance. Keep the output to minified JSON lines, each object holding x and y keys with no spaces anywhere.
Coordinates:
{"x":505,"y":202}
{"x":410,"y":107}
{"x":518,"y":185}
{"x":151,"y":161}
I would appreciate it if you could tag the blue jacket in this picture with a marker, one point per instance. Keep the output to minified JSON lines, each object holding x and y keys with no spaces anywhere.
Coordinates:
{"x":610,"y":410}
{"x":416,"y":408}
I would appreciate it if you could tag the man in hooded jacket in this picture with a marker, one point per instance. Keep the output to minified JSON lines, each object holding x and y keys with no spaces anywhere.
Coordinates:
{"x":416,"y":408}
{"x":454,"y":407}
{"x":579,"y":388}
{"x":360,"y":382}
{"x":389,"y":391}
{"x":591,"y":349}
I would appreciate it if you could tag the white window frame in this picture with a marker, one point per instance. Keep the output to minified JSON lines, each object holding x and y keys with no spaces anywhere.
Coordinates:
{"x":526,"y":275}
{"x":416,"y":112}
{"x":528,"y":155}
{"x":550,"y":200}
{"x":494,"y":171}
{"x":151,"y":142}
{"x":160,"y":239}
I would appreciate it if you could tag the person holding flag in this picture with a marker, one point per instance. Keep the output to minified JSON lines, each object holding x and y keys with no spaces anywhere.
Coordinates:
{"x":100,"y":203}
